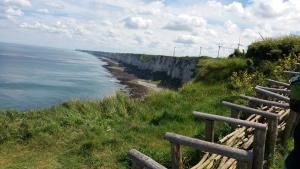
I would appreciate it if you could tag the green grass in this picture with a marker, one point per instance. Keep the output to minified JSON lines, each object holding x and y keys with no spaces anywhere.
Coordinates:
{"x":212,"y":69}
{"x":273,"y":49}
{"x":281,"y":152}
{"x":99,"y":133}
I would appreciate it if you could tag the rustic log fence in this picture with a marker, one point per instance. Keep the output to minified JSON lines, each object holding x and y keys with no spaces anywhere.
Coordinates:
{"x":259,"y":137}
{"x":245,"y":158}
{"x":268,"y":94}
{"x":276,"y":90}
{"x":250,"y":146}
{"x":291,"y":73}
{"x":278,"y":83}
{"x":265,"y":102}
{"x":272,"y":122}
{"x":140,"y":161}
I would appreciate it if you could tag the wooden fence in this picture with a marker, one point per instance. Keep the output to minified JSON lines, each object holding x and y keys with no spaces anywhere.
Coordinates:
{"x":250,"y":146}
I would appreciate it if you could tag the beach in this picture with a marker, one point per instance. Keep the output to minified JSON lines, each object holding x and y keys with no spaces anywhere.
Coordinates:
{"x":136,"y":87}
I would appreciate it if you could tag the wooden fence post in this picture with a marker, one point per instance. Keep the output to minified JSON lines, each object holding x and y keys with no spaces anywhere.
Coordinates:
{"x":243,"y":165}
{"x":209,"y":130}
{"x":289,"y":126}
{"x":272,"y":134}
{"x":259,"y":148}
{"x":235,"y":114}
{"x":141,"y":161}
{"x":176,"y":156}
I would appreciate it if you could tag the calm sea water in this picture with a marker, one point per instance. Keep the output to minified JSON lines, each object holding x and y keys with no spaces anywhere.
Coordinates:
{"x":35,"y":77}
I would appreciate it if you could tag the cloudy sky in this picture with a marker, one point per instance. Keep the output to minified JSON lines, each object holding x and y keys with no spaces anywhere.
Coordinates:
{"x":147,"y":26}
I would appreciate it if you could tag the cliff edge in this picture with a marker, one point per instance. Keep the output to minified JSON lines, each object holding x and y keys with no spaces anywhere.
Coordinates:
{"x":179,"y":68}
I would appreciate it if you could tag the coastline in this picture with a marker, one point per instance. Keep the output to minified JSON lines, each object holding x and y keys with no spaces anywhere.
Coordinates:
{"x":135,"y":86}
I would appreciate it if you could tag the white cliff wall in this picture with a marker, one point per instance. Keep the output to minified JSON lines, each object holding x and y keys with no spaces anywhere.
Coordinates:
{"x":181,"y":68}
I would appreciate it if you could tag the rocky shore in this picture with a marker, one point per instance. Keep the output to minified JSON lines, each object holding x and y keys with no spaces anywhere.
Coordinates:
{"x":136,"y":87}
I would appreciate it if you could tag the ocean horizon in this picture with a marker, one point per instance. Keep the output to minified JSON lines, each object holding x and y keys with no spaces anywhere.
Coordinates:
{"x":37,"y":77}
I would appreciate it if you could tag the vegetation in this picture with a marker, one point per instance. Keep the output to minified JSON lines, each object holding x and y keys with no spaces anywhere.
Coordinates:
{"x":99,"y":133}
{"x":273,"y":49}
{"x":89,"y":134}
{"x":212,"y":69}
{"x":145,"y":57}
{"x":237,"y":54}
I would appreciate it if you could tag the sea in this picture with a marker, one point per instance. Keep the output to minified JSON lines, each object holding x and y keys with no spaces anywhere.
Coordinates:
{"x":37,"y":77}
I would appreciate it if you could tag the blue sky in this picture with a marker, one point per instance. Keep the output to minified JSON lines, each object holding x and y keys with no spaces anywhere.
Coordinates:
{"x":147,"y":26}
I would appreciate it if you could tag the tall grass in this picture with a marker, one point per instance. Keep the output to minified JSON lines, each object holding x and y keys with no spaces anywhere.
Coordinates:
{"x":212,"y":69}
{"x":98,"y":133}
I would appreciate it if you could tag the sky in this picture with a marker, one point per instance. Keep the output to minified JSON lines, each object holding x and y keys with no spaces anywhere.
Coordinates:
{"x":147,"y":26}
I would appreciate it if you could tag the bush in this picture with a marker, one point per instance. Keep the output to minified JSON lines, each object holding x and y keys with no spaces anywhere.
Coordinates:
{"x":274,"y":49}
{"x":237,"y":54}
{"x":212,"y":70}
{"x":288,"y":63}
{"x":243,"y":81}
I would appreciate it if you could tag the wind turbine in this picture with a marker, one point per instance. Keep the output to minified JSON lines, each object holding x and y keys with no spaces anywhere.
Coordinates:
{"x":261,"y":36}
{"x":219,"y":48}
{"x":200,"y":51}
{"x":239,"y":44}
{"x":174,"y":51}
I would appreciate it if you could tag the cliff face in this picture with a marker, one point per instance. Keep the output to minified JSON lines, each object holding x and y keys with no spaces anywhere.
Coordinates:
{"x":181,"y":68}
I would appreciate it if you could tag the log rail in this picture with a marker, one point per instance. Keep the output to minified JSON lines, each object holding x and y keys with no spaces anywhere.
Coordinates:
{"x":250,"y":146}
{"x":244,"y":157}
{"x":140,"y":161}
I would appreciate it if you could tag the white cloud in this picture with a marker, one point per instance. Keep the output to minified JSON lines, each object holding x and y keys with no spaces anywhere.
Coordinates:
{"x":235,"y":7}
{"x":145,"y":11}
{"x":270,"y":8}
{"x":13,"y":12}
{"x":153,"y":8}
{"x":55,"y":4}
{"x":68,"y":27}
{"x":139,"y":40}
{"x":186,"y":22}
{"x":43,"y":10}
{"x":187,"y":39}
{"x":155,"y":26}
{"x":137,"y":23}
{"x":23,"y":3}
{"x":231,"y":27}
{"x":58,"y":27}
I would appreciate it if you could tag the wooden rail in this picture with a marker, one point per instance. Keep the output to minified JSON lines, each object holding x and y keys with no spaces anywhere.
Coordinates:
{"x":244,"y":158}
{"x":272,"y":121}
{"x":265,"y":102}
{"x":140,"y":161}
{"x":259,"y":131}
{"x":291,"y":73}
{"x":271,"y":94}
{"x":278,"y":83}
{"x":250,"y":110}
{"x":259,"y":135}
{"x":276,"y":90}
{"x":213,"y":117}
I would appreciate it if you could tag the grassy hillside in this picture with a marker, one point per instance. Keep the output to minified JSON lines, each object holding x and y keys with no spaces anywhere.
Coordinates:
{"x":89,"y":134}
{"x":99,"y":133}
{"x":274,"y":48}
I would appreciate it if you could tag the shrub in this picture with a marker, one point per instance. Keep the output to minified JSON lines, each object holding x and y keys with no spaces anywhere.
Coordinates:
{"x":265,"y":67}
{"x":274,"y":49}
{"x":237,"y":54}
{"x":219,"y":69}
{"x":285,"y":64}
{"x":243,"y":81}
